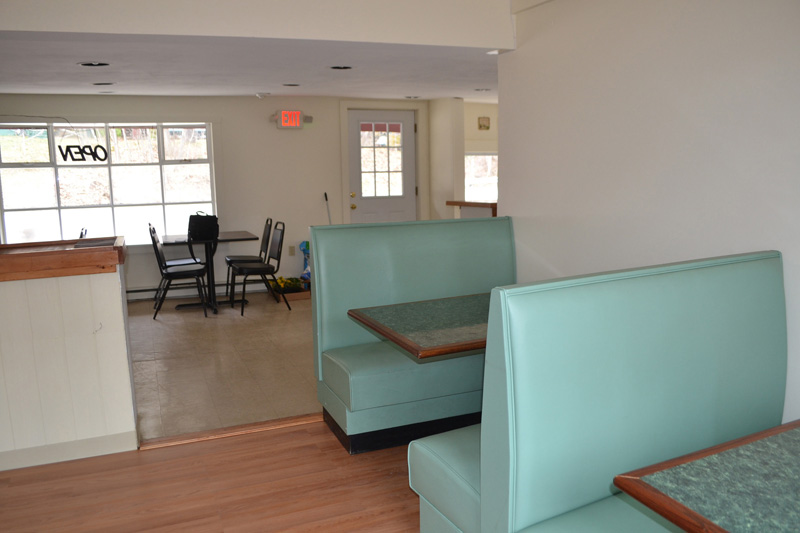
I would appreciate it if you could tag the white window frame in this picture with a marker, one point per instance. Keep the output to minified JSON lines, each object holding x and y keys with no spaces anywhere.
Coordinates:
{"x":109,"y":163}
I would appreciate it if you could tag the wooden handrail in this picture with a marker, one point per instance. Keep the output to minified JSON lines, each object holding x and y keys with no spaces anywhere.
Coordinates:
{"x":488,"y":205}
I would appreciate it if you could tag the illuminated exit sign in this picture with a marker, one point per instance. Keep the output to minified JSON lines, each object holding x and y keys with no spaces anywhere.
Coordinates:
{"x":290,"y":119}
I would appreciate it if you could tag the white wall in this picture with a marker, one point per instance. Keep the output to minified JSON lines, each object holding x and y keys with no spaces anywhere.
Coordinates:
{"x":639,"y":132}
{"x":477,"y":140}
{"x":481,"y":23}
{"x":447,"y":155}
{"x":260,"y":171}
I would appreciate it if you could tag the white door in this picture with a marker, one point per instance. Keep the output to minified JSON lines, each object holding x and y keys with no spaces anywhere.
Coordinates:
{"x":382,"y":159}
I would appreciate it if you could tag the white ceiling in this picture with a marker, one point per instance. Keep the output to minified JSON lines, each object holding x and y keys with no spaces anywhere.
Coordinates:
{"x":47,"y":63}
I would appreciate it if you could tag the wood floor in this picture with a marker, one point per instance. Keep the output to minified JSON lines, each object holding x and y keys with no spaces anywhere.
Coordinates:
{"x":296,"y":478}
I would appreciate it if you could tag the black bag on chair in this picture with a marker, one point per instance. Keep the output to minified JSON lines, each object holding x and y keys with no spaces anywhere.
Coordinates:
{"x":202,"y":227}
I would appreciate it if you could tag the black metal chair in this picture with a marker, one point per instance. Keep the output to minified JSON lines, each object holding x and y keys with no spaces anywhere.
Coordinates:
{"x":268,"y":267}
{"x":181,"y":261}
{"x":171,"y":273}
{"x":260,"y":258}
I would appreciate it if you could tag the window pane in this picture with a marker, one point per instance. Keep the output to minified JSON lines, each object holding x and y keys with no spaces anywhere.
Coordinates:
{"x":396,"y":134}
{"x":132,"y":222}
{"x":381,"y":184}
{"x":32,"y":226}
{"x":368,"y":184}
{"x":381,"y":136}
{"x":185,"y":143}
{"x":187,"y":183}
{"x":382,"y":159}
{"x":178,"y":216}
{"x":367,"y":160}
{"x":134,"y":144}
{"x":81,"y":145}
{"x":24,"y":145}
{"x":395,"y":159}
{"x":395,"y":184}
{"x":140,"y":184}
{"x":25,"y":188}
{"x":367,"y":137}
{"x":97,"y":221}
{"x":480,"y":183}
{"x":84,"y":186}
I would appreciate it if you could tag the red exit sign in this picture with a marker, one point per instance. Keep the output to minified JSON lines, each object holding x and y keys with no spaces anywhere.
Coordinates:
{"x":290,"y":119}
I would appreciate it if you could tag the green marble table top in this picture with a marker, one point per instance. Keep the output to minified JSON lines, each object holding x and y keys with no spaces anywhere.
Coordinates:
{"x":431,"y":327}
{"x":751,"y":488}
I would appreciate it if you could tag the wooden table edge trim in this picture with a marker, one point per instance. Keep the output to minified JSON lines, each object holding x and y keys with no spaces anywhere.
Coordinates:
{"x":672,"y":510}
{"x":410,"y":346}
{"x":632,"y":484}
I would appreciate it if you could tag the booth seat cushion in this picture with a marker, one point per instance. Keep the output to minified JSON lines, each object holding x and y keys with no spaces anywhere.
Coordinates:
{"x":451,"y":486}
{"x":616,"y":514}
{"x":376,"y":374}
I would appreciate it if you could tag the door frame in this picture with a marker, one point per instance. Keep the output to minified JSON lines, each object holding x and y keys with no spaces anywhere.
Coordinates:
{"x":422,"y":148}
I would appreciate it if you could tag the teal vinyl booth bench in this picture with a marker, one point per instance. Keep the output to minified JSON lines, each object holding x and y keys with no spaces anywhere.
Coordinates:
{"x":594,"y":376}
{"x":373,"y":394}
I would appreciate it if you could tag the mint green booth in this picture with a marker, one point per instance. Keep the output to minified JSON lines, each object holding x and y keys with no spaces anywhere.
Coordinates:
{"x":372,"y":393}
{"x":594,"y":376}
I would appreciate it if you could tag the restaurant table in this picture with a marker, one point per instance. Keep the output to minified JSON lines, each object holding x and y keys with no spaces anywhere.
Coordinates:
{"x":224,"y":236}
{"x":431,"y":328}
{"x":748,"y":484}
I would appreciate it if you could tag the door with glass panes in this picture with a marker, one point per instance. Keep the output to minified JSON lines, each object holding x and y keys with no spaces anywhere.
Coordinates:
{"x":382,"y":161}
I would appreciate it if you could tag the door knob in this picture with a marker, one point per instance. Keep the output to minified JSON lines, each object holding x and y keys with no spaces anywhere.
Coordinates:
{"x":352,"y":195}
{"x":352,"y":206}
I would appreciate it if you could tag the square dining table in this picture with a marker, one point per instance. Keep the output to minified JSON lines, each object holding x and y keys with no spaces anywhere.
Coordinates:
{"x":747,"y":484}
{"x":209,"y":248}
{"x":431,"y":328}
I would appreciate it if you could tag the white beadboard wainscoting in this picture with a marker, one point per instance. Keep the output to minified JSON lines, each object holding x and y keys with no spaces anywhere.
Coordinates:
{"x":65,"y":379}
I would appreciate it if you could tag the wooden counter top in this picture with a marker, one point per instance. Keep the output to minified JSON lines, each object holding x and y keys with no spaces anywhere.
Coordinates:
{"x":52,"y":259}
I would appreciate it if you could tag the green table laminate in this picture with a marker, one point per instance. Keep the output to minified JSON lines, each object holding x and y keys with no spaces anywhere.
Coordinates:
{"x":749,"y":485}
{"x":431,"y":328}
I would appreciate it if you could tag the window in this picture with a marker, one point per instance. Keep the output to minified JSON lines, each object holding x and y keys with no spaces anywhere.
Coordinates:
{"x":112,"y":179}
{"x":381,"y":159}
{"x":480,"y":178}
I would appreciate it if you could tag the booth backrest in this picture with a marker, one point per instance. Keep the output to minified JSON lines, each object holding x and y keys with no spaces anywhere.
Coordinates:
{"x":363,"y":265}
{"x":591,"y":377}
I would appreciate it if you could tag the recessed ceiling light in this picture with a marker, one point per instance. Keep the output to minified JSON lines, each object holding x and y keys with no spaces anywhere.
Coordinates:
{"x":291,"y":85}
{"x":412,"y":97}
{"x":93,"y":64}
{"x":482,"y":90}
{"x":341,"y":67}
{"x":104,"y":83}
{"x":106,"y":92}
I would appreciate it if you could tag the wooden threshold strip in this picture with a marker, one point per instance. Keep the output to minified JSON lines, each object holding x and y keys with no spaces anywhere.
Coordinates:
{"x":245,"y":429}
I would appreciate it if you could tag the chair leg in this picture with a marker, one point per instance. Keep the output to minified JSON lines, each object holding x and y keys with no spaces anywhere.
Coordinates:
{"x":201,"y":290}
{"x":269,"y":288}
{"x":157,"y":295}
{"x":227,"y":280}
{"x":277,"y":288}
{"x":244,"y":290}
{"x":233,"y":286}
{"x":163,"y":296}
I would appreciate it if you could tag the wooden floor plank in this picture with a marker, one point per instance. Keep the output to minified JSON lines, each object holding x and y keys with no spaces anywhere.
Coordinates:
{"x":290,"y":478}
